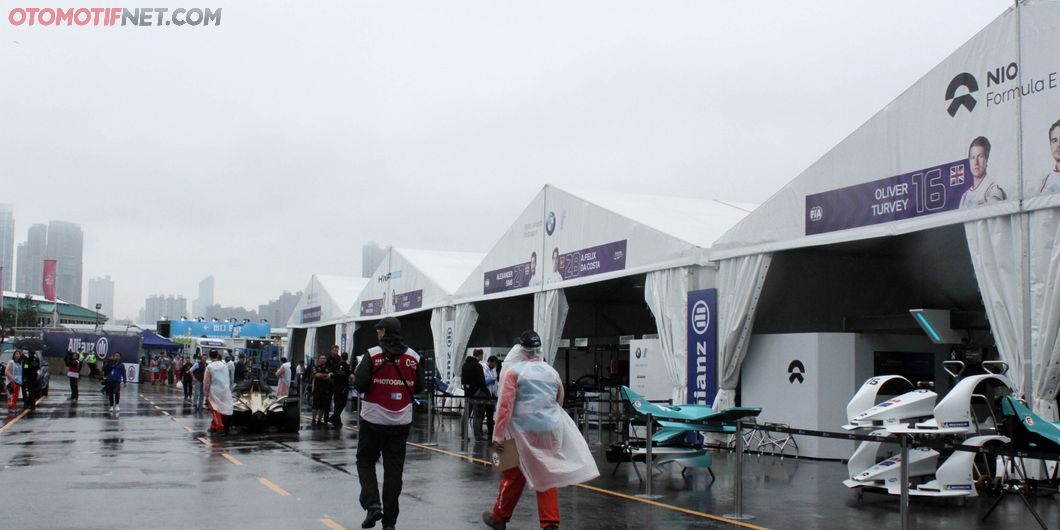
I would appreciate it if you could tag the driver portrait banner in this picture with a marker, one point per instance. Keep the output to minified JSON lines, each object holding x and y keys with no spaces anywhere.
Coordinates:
{"x":923,"y":192}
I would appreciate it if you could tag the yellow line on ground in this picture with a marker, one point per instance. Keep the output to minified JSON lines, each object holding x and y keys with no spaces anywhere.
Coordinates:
{"x":268,"y":484}
{"x":231,"y":459}
{"x":20,"y":415}
{"x":332,"y":524}
{"x":600,"y":490}
{"x":671,"y":507}
{"x":204,"y":441}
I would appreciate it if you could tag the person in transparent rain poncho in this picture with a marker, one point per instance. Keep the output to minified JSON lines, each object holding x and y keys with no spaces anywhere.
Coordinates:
{"x":552,"y":452}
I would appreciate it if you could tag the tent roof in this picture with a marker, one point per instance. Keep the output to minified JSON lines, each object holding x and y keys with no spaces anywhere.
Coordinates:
{"x":605,"y":234}
{"x":153,"y":340}
{"x":433,"y":276}
{"x":45,"y":306}
{"x":694,"y":220}
{"x":342,"y":289}
{"x":447,"y":269}
{"x":332,"y":294}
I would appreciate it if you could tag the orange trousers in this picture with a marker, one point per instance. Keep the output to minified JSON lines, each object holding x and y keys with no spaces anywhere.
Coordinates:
{"x":512,"y":484}
{"x":217,"y":424}
{"x":12,"y":397}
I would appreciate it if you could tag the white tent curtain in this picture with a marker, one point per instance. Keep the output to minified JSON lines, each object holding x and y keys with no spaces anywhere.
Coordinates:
{"x":310,"y":345}
{"x":1044,"y":237}
{"x":338,"y":336}
{"x":439,"y":317}
{"x":351,"y":330}
{"x":666,"y":293}
{"x":996,"y":247}
{"x":550,"y":314}
{"x":740,"y":283}
{"x":464,"y":317}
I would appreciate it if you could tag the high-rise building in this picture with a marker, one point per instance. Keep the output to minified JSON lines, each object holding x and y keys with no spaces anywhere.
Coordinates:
{"x":157,"y":307}
{"x":371,"y":256}
{"x":66,"y":246}
{"x":278,"y":311}
{"x":101,"y":291}
{"x":205,"y":299}
{"x":7,"y":245}
{"x":30,"y":272}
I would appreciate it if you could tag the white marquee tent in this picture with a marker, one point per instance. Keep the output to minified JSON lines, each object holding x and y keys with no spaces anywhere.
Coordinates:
{"x":975,"y":142}
{"x":410,"y":281}
{"x":326,"y":302}
{"x":566,"y":238}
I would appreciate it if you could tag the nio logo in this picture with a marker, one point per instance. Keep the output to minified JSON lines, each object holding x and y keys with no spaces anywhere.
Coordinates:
{"x":550,"y":223}
{"x":969,"y":83}
{"x":795,"y":371}
{"x":700,"y":317}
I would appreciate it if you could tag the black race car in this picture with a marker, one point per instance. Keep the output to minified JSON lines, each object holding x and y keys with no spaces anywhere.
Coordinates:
{"x":256,"y":407}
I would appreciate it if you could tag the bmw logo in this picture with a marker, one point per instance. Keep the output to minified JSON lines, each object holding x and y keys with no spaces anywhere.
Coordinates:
{"x":550,"y":223}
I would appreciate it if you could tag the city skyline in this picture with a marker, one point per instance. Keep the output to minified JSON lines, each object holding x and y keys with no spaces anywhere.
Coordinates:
{"x":32,"y":245}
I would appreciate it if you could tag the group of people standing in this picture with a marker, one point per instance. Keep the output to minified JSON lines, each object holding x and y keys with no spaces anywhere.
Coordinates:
{"x":331,"y":387}
{"x":21,"y":376}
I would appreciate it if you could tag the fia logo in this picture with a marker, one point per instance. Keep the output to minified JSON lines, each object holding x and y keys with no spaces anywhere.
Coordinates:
{"x":957,"y":175}
{"x":966,"y":81}
{"x":816,"y":214}
{"x":550,"y":223}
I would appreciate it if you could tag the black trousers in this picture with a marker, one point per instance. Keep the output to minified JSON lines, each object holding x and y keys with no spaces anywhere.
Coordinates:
{"x":29,"y":393}
{"x":187,"y":383}
{"x":389,"y":441}
{"x":322,"y":400}
{"x":73,"y":388}
{"x":113,"y":393}
{"x":340,"y":397}
{"x":482,"y":410}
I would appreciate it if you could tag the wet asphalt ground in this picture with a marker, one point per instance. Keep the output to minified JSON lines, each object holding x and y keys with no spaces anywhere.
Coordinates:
{"x":74,"y":465}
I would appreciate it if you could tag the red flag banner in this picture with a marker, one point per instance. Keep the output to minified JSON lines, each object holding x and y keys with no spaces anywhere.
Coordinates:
{"x":49,"y":279}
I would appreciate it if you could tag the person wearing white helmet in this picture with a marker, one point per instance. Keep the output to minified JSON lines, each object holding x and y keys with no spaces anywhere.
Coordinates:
{"x":552,"y":452}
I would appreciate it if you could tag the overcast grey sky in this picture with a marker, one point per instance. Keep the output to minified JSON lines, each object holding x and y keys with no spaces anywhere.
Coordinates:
{"x":275,"y":145}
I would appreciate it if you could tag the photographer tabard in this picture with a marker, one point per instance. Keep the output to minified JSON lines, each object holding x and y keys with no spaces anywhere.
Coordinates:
{"x":387,"y":378}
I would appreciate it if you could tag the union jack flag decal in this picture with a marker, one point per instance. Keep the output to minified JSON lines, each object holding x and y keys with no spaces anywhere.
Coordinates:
{"x":957,"y":175}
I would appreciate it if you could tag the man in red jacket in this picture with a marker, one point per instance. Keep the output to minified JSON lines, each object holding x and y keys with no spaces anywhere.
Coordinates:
{"x":387,"y":377}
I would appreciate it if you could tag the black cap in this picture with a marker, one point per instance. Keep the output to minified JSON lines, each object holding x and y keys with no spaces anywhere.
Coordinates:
{"x":530,"y":339}
{"x":389,"y":324}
